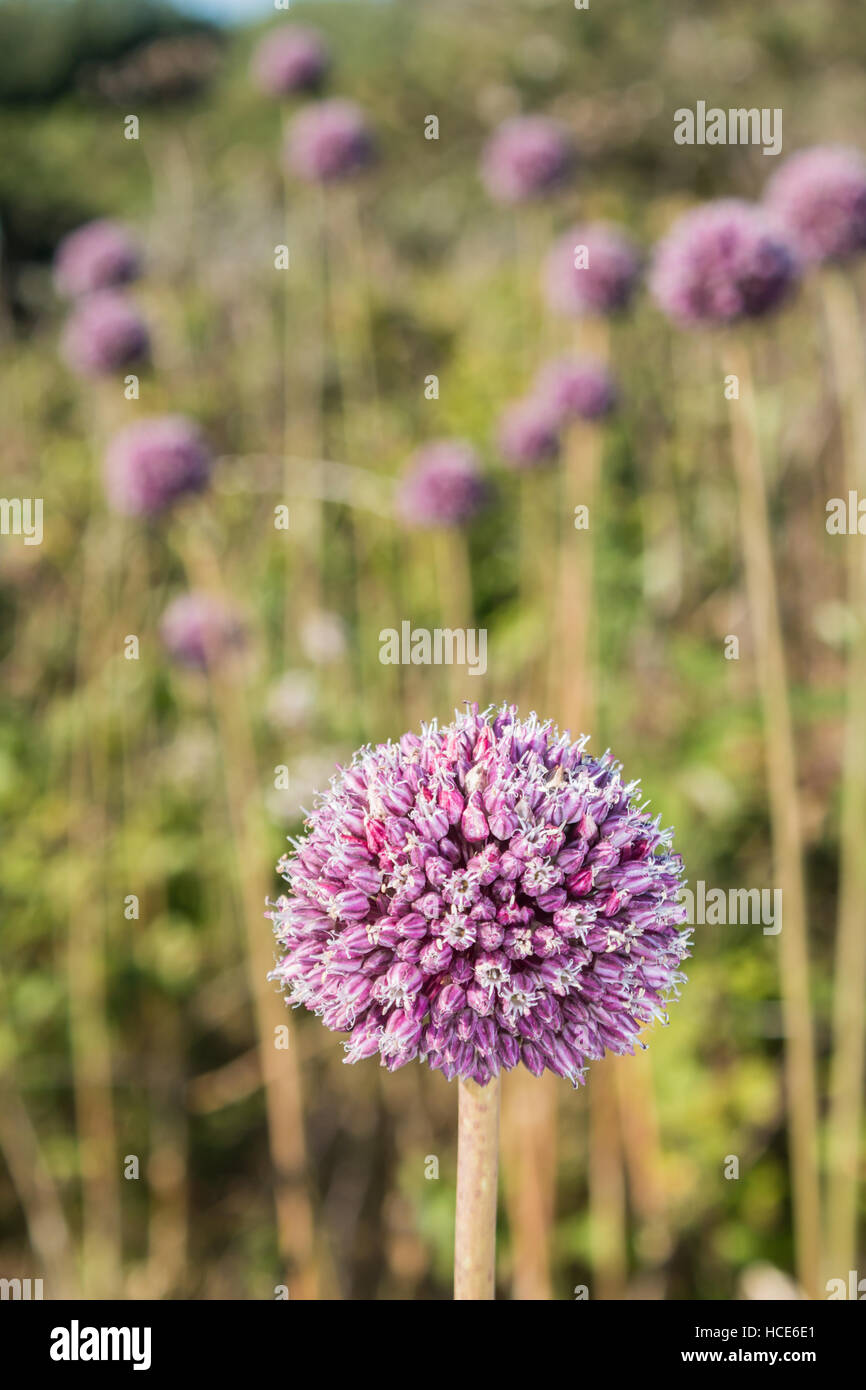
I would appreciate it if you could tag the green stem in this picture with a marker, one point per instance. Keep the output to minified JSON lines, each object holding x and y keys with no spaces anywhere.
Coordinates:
{"x":784,"y":819}
{"x":848,"y":1068}
{"x":454,"y":585}
{"x":280,"y":1068}
{"x":477,"y":1165}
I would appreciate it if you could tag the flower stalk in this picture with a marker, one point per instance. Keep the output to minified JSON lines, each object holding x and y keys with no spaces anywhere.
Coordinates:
{"x":280,"y":1070}
{"x":477,"y":1166}
{"x":848,"y":1068}
{"x":784,"y":819}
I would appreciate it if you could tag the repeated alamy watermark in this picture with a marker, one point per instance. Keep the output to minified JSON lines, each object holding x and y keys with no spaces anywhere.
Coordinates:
{"x":846,"y":516}
{"x":853,"y":1288}
{"x":22,"y":516}
{"x":737,"y":126}
{"x":21,"y":1290}
{"x":731,"y":907}
{"x":438,"y":646}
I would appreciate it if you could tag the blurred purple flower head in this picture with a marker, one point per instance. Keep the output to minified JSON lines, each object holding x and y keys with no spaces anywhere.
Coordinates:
{"x":819,"y":198}
{"x":150,"y":464}
{"x":103,"y":334}
{"x":97,"y":256}
{"x":576,"y":388}
{"x":330,"y":140}
{"x":290,"y":60}
{"x":200,"y":630}
{"x":591,"y":270}
{"x":528,"y":433}
{"x":526,"y":157}
{"x":442,"y":485}
{"x":482,"y":895}
{"x":720,"y":263}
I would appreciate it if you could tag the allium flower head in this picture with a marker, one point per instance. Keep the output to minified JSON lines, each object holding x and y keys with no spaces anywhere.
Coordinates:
{"x":591,"y":270}
{"x":528,"y":433}
{"x":576,"y":388}
{"x":819,"y":197}
{"x":720,"y":263}
{"x":150,"y":464}
{"x":104,"y":333}
{"x":330,"y":140}
{"x":481,"y":895}
{"x":293,"y":59}
{"x":442,"y":485}
{"x":97,"y":256}
{"x":526,"y":157}
{"x":200,"y":630}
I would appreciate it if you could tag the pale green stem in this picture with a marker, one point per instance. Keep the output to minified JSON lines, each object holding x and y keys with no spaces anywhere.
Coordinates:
{"x":784,"y":819}
{"x":454,"y":585}
{"x":848,"y":1069}
{"x":279,"y":1065}
{"x":477,"y":1167}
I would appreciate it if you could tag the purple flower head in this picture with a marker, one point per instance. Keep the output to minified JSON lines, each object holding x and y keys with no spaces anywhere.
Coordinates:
{"x":330,"y":140}
{"x":104,"y":334}
{"x":720,"y":263}
{"x":591,"y":270}
{"x":97,"y":256}
{"x":200,"y":630}
{"x":152,"y":463}
{"x":576,"y":388}
{"x":528,"y":433}
{"x":442,"y":485}
{"x":481,"y":895}
{"x":526,"y":157}
{"x":819,"y":198}
{"x":291,"y":60}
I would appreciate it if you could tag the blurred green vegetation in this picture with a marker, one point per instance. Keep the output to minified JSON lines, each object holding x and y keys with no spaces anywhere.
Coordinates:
{"x":112,"y":773}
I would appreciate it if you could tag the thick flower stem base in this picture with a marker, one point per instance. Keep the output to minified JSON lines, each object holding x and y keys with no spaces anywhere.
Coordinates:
{"x":477,"y":1164}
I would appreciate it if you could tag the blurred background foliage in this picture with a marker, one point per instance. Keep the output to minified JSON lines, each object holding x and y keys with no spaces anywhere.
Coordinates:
{"x":114,"y":774}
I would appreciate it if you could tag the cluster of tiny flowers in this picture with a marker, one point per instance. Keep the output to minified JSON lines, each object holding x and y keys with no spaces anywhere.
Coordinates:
{"x":200,"y":630}
{"x":528,"y":433}
{"x":97,"y":256}
{"x":591,"y":270}
{"x":104,"y":334}
{"x":525,"y":158}
{"x":291,"y":60}
{"x":152,"y":463}
{"x":565,"y":390}
{"x":481,"y":895}
{"x":442,"y":486}
{"x":576,"y":388}
{"x":720,"y":263}
{"x":329,"y":140}
{"x":819,"y":197}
